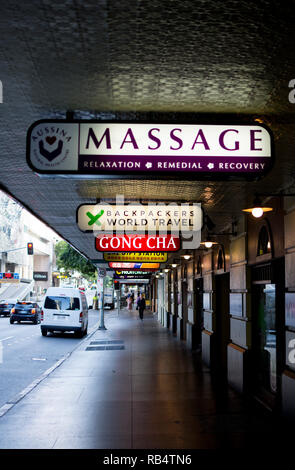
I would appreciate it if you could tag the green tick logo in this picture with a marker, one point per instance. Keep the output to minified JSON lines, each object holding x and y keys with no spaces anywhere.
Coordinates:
{"x":94,"y":218}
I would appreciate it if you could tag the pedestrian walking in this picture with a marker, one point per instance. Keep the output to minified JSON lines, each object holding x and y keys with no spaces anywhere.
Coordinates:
{"x":141,"y":306}
{"x":137,"y":302}
{"x":129,"y":302}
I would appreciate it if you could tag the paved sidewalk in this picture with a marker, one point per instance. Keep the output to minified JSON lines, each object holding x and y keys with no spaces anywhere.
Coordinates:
{"x":154,"y":393}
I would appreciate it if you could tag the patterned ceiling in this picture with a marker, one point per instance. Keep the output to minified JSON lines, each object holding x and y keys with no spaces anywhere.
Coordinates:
{"x":156,"y":60}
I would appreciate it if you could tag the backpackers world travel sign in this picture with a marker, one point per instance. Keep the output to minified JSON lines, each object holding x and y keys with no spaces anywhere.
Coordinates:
{"x":185,"y":150}
{"x":136,"y":218}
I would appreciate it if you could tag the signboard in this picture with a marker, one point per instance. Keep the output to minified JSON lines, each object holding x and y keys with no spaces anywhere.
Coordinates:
{"x":148,"y":257}
{"x":144,"y":266}
{"x":9,"y":277}
{"x":40,"y":276}
{"x":140,"y":218}
{"x":137,"y":243}
{"x":200,"y":151}
{"x":136,"y":273}
{"x":130,"y":276}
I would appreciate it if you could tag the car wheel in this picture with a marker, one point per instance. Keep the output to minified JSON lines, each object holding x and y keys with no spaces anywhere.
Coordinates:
{"x":43,"y":331}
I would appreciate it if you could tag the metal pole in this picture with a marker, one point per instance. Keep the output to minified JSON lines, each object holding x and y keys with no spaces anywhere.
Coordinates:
{"x":118,"y":300}
{"x":102,"y":325}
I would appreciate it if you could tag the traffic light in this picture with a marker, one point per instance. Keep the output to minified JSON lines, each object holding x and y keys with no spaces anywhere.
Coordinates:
{"x":30,"y":248}
{"x":116,"y":285}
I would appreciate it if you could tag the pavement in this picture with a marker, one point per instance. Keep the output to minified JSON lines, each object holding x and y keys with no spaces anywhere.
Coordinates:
{"x":133,"y":386}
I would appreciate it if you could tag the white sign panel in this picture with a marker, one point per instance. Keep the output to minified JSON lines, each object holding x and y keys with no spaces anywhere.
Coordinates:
{"x":136,"y":218}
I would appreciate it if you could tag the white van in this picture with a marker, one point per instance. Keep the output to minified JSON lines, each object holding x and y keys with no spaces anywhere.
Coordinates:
{"x":64,"y":309}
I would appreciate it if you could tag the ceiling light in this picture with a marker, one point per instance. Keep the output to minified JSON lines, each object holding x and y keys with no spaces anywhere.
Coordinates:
{"x":208,"y":244}
{"x":186,"y":257}
{"x":174,"y":265}
{"x":166,"y":270}
{"x":257,"y":210}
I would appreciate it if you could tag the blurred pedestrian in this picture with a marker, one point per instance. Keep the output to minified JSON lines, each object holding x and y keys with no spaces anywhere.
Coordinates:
{"x":137,"y":302}
{"x":129,"y":302}
{"x":141,"y":306}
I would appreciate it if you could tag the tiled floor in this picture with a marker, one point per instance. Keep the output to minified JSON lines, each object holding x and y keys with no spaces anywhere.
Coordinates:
{"x":153,"y":394}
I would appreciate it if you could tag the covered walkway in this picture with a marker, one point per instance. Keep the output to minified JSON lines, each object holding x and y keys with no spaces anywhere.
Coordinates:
{"x":148,"y":392}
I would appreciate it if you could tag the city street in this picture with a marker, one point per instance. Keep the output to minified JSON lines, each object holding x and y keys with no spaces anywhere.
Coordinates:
{"x":26,"y":354}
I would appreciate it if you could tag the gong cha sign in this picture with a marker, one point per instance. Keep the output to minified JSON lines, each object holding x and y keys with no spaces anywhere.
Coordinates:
{"x":193,"y":151}
{"x":113,"y":243}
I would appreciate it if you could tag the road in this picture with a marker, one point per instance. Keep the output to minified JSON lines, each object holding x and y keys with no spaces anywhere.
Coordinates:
{"x":26,"y":354}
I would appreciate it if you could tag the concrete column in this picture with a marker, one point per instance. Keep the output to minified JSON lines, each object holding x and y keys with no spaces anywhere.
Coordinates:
{"x":240,"y":312}
{"x":208,"y":337}
{"x":3,"y":262}
{"x":179,"y":304}
{"x":173,"y":303}
{"x":191,"y":310}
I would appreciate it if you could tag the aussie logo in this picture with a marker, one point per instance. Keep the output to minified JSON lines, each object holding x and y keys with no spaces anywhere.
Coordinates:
{"x":51,"y":145}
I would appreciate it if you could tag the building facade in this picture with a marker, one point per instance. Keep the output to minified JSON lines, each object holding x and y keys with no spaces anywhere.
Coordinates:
{"x":235,"y":302}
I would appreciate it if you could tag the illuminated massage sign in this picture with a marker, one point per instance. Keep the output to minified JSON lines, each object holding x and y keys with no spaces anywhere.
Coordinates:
{"x":187,"y":150}
{"x":137,"y":243}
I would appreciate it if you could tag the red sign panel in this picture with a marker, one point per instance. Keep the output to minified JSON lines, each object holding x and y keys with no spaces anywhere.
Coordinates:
{"x":129,"y":243}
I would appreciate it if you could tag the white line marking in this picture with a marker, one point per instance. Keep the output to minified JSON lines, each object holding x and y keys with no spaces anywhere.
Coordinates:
{"x":8,"y":337}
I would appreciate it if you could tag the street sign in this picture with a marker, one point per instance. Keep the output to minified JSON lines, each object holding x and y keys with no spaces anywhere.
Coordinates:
{"x":192,"y":151}
{"x":137,"y":243}
{"x":148,"y":257}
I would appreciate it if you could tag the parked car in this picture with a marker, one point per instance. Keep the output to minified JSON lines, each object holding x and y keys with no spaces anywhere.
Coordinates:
{"x":64,"y":309}
{"x":5,"y":307}
{"x":25,"y":311}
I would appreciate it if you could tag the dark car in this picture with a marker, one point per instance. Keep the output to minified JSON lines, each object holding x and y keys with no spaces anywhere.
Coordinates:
{"x":26,"y":311}
{"x":5,"y":308}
